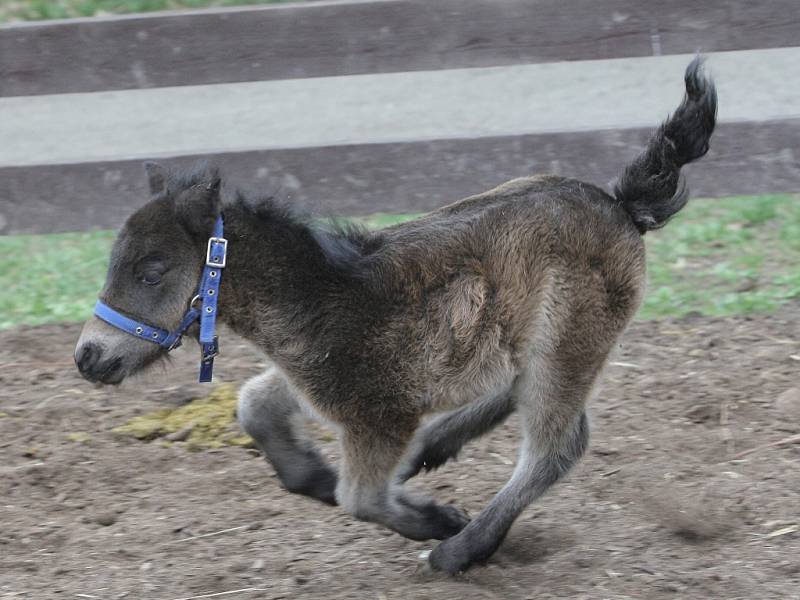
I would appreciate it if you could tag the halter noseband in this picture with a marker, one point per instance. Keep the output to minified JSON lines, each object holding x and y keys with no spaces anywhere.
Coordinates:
{"x":207,"y":294}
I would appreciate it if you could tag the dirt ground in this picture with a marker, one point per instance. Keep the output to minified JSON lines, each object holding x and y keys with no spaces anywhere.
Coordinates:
{"x":659,"y":507}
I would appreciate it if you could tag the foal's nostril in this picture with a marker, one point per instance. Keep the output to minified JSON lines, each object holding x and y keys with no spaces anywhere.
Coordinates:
{"x":86,"y":357}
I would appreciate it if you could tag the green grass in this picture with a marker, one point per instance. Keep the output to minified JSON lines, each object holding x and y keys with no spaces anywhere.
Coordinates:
{"x":717,"y":257}
{"x":35,"y":10}
{"x":720,"y":257}
{"x":49,"y":278}
{"x":380,"y":220}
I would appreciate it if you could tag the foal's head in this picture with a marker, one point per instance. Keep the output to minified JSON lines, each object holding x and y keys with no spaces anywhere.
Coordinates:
{"x":155,"y":266}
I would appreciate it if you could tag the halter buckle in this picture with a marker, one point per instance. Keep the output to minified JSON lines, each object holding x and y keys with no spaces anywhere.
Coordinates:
{"x":216,"y":261}
{"x":210,"y":349}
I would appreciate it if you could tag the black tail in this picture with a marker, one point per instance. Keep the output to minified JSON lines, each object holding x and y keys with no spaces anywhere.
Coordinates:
{"x":651,"y":189}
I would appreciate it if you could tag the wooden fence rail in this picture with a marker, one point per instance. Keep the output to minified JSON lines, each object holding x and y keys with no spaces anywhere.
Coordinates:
{"x":96,"y":57}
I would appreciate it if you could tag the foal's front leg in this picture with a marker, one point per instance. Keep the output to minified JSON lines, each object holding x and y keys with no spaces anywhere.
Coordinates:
{"x":366,"y":489}
{"x":269,"y":411}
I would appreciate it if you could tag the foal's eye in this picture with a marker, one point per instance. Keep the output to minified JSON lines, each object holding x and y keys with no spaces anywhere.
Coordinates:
{"x":151,"y":278}
{"x":150,"y":270}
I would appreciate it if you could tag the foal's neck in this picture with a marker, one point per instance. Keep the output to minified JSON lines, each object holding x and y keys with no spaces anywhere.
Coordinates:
{"x":279,"y":288}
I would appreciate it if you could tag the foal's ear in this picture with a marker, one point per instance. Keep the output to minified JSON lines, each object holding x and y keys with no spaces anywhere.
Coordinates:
{"x":157,"y":176}
{"x":198,"y":206}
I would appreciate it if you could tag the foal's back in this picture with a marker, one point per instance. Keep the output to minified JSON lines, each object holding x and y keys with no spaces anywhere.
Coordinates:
{"x":518,"y":232}
{"x":540,"y":264}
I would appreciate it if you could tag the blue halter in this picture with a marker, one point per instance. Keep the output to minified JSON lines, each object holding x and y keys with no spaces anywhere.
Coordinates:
{"x":216,"y":254}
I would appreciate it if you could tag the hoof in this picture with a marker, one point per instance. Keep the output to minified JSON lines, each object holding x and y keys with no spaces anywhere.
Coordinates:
{"x":451,"y":557}
{"x":317,"y":481}
{"x":429,"y":520}
{"x":429,"y":459}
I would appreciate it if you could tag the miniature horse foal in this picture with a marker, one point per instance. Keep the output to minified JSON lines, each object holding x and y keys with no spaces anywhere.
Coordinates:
{"x":510,"y":300}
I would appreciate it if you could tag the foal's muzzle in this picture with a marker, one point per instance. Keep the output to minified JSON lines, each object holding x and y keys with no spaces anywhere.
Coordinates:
{"x":90,"y":362}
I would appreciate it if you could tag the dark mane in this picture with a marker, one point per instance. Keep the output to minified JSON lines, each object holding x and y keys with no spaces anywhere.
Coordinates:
{"x":343,"y":244}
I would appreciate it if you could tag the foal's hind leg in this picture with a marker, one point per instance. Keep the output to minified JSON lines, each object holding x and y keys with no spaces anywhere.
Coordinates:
{"x":368,"y":491}
{"x":556,"y":435}
{"x":269,"y":411}
{"x":442,"y":438}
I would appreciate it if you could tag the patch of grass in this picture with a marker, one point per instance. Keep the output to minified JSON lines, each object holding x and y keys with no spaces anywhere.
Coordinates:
{"x":381,"y":220}
{"x":720,"y":257}
{"x":47,"y":278}
{"x":717,"y":257}
{"x":36,"y":10}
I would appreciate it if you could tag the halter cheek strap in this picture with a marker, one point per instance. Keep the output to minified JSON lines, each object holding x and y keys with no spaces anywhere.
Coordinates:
{"x":216,"y":258}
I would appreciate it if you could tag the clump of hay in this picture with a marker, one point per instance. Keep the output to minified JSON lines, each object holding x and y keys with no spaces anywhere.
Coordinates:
{"x":209,"y":422}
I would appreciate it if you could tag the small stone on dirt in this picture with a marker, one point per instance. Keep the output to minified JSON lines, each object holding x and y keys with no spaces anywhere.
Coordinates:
{"x":239,"y":566}
{"x":180,"y":435}
{"x":605,"y":450}
{"x":668,"y":586}
{"x":702,"y":413}
{"x":788,"y":404}
{"x":582,"y":562}
{"x":747,"y":285}
{"x":105,"y":519}
{"x":790,"y":567}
